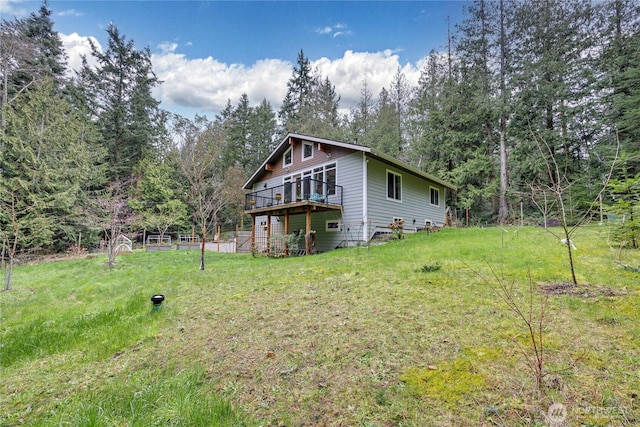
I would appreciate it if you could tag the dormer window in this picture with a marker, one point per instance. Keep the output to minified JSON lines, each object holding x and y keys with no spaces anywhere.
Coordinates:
{"x":307,"y":151}
{"x":288,"y":157}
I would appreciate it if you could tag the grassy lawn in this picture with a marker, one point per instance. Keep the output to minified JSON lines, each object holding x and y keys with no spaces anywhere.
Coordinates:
{"x":407,"y":333}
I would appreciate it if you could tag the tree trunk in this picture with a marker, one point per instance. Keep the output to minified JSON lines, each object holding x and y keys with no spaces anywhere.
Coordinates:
{"x":9,"y":275}
{"x":204,"y":239}
{"x":503,"y":209}
{"x":567,"y":234}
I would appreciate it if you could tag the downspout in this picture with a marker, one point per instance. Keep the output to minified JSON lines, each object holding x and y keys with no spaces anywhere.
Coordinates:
{"x":365,"y":192}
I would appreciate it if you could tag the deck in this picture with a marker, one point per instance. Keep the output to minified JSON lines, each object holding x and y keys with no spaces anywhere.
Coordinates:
{"x":294,"y":198}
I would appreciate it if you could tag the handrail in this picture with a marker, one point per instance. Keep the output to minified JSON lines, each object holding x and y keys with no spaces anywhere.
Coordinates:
{"x":306,"y":189}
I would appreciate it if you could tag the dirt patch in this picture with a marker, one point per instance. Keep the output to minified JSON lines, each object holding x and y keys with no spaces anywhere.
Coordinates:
{"x":584,"y":291}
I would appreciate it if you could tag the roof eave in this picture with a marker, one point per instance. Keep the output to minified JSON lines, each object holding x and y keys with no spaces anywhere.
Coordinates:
{"x":412,"y":169}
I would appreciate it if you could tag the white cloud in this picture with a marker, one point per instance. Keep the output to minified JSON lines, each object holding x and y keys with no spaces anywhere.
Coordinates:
{"x":168,"y":47}
{"x":70,"y":12}
{"x":348,"y":73}
{"x":76,"y":46}
{"x":12,"y":8}
{"x":204,"y":85}
{"x":341,"y":33}
{"x":335,"y":30}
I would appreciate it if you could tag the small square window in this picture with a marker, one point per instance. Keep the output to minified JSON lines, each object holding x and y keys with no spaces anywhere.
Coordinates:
{"x":332,"y":225}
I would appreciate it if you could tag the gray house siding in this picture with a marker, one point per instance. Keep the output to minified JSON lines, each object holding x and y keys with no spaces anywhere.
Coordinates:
{"x":414,"y":203}
{"x":350,"y":176}
{"x":349,"y":173}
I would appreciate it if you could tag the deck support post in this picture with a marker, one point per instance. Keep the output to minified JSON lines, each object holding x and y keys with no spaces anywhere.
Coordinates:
{"x":307,"y":245}
{"x":269,"y":233}
{"x":286,"y":231}
{"x":253,"y":234}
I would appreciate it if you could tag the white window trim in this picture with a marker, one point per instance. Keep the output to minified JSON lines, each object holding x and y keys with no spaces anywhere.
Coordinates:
{"x":310,"y":172}
{"x":284,"y":157}
{"x":304,"y":144}
{"x":386,"y":177}
{"x":438,"y":190}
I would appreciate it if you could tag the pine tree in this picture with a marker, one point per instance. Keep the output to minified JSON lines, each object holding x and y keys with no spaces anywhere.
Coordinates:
{"x":117,"y":93}
{"x":263,"y":128}
{"x":319,"y":115}
{"x":400,"y":96}
{"x":483,"y":47}
{"x":361,"y":117}
{"x":50,"y":58}
{"x":44,"y":160}
{"x":620,"y":68}
{"x":300,"y":87}
{"x":384,"y":133}
{"x":550,"y":63}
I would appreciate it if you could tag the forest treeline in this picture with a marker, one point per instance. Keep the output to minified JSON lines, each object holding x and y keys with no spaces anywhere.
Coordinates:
{"x":527,"y":101}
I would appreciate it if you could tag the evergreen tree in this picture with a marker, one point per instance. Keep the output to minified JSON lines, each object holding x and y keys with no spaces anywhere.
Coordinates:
{"x":620,"y":68}
{"x":384,"y":132}
{"x":236,"y":122}
{"x":319,"y":115}
{"x":361,"y":120}
{"x":300,"y":87}
{"x":45,"y":158}
{"x":263,"y":128}
{"x":30,"y":50}
{"x":50,"y":58}
{"x":157,"y":196}
{"x":117,"y":93}
{"x":399,"y":96}
{"x":249,"y":134}
{"x":550,"y":64}
{"x":484,"y":46}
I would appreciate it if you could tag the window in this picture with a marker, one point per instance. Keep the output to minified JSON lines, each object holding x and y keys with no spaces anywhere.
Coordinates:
{"x":312,"y":184}
{"x":332,"y":225}
{"x":394,"y":186}
{"x":288,"y":157}
{"x":435,"y":196}
{"x":330,"y":178}
{"x":307,"y":151}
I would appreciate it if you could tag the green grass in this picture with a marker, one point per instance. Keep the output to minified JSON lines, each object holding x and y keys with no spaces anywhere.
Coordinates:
{"x":405,"y":333}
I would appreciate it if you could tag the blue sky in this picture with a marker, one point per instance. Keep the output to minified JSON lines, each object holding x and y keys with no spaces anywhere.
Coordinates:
{"x":207,"y":52}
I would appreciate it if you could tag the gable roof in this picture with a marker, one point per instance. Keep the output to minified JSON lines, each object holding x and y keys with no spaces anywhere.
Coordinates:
{"x":284,"y":144}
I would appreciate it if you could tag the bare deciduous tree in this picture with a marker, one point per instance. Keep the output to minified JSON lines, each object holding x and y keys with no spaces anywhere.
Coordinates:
{"x":197,"y":154}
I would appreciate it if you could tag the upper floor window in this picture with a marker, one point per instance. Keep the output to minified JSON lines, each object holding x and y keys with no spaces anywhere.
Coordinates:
{"x":394,"y":185}
{"x":435,"y":196}
{"x":307,"y":151}
{"x":288,"y":157}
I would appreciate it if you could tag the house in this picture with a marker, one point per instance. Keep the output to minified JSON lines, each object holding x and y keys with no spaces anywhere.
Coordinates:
{"x":334,"y":194}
